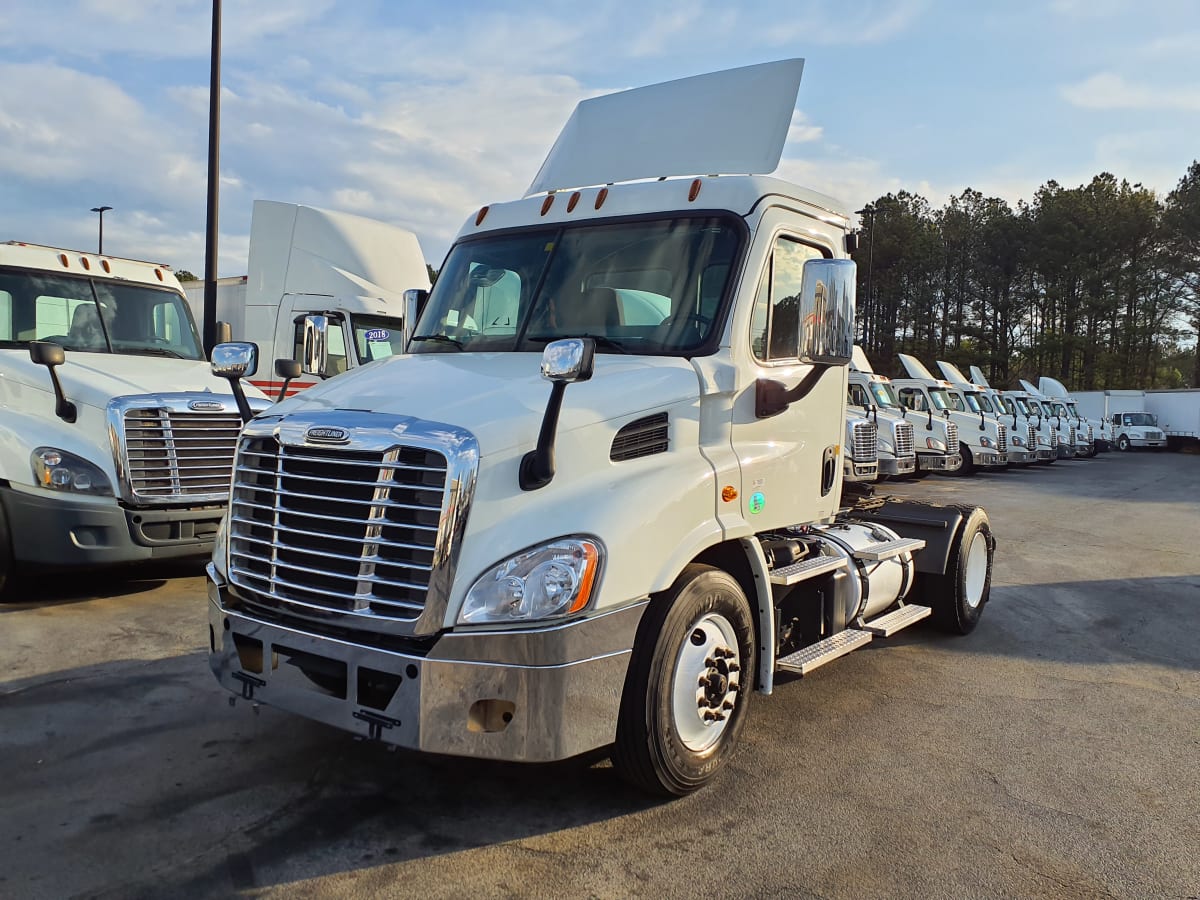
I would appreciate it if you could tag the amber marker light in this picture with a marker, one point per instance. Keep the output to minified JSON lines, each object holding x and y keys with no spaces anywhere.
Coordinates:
{"x":694,"y":192}
{"x":62,"y":258}
{"x":547,"y":203}
{"x":729,"y":493}
{"x":83,"y":261}
{"x":105,"y":266}
{"x":573,"y":202}
{"x":159,"y":273}
{"x":601,"y":197}
{"x":589,"y":577}
{"x":483,"y":211}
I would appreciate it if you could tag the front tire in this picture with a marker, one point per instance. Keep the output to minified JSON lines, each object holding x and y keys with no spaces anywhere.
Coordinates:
{"x":1123,"y":444}
{"x":958,"y":595}
{"x":689,"y":684}
{"x":968,"y":461}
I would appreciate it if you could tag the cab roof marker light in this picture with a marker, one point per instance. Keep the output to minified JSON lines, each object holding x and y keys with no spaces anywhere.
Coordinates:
{"x":481,"y":215}
{"x":694,"y":191}
{"x":86,"y":263}
{"x":601,"y":197}
{"x":105,"y":265}
{"x":62,"y":258}
{"x":159,"y":273}
{"x":573,"y":202}
{"x":547,"y":203}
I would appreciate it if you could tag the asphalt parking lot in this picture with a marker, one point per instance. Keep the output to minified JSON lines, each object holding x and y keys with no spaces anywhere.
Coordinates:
{"x":1052,"y":753}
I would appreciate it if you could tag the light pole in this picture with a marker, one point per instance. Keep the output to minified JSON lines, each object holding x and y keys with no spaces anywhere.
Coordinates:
{"x":870,"y":212}
{"x":102,"y":210}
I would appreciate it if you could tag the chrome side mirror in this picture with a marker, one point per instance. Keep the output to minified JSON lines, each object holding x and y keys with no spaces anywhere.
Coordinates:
{"x":569,"y":360}
{"x":237,"y":359}
{"x":827,"y":292}
{"x":314,"y":358}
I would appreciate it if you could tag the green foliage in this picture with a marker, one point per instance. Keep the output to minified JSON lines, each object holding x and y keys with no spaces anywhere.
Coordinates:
{"x":185,"y":275}
{"x":1097,"y":285}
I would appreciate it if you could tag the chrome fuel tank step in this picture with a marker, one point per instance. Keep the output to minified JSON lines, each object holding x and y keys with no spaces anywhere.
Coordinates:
{"x":807,"y":568}
{"x":816,"y":655}
{"x":888,"y":549}
{"x":889,"y":624}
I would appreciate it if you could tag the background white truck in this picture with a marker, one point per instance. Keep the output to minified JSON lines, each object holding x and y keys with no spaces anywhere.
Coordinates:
{"x":303,"y":261}
{"x":871,"y":397}
{"x":1178,"y":414}
{"x":116,"y":442}
{"x":1131,"y":423}
{"x":1041,"y":436}
{"x":612,"y":517}
{"x":1097,"y":429}
{"x":982,"y":442}
{"x":977,"y":398}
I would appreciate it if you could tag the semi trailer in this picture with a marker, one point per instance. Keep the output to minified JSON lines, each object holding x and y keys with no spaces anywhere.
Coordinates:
{"x":612,"y":519}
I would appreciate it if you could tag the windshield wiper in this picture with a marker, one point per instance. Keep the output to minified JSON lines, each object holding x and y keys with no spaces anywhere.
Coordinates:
{"x":601,"y":341}
{"x":439,"y":338}
{"x":151,"y":351}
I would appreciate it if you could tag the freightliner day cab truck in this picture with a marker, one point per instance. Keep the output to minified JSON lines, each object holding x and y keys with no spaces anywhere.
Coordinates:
{"x":1025,"y":419}
{"x":1097,"y":428}
{"x":307,"y":261}
{"x":1076,"y":438}
{"x":1022,"y":440}
{"x":982,"y":442}
{"x":872,"y":398}
{"x":451,"y":552}
{"x":118,"y":441}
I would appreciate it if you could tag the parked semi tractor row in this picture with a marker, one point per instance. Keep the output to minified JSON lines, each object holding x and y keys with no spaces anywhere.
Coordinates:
{"x":599,"y":502}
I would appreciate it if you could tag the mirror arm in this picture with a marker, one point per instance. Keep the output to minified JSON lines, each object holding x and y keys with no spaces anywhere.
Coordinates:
{"x":63,"y":408}
{"x":771,"y":397}
{"x":537,"y":466}
{"x":244,"y":410}
{"x":283,"y":390}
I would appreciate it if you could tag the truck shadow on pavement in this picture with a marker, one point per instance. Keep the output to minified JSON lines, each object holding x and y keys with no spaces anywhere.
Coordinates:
{"x":62,"y":586}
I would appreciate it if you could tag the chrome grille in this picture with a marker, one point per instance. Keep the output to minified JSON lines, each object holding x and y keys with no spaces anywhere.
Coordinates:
{"x":1033,"y":441}
{"x":864,"y":442}
{"x":171,"y":455}
{"x":317,"y":530}
{"x":1071,"y":436}
{"x":1091,"y":438}
{"x":1001,"y":437}
{"x":904,"y":438}
{"x":951,"y":437}
{"x":1054,"y":439}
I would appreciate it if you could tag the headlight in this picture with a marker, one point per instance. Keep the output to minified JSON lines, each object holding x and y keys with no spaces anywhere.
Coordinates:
{"x":61,"y":471}
{"x":1018,"y":441}
{"x":220,"y":555}
{"x":935,"y":444}
{"x":550,"y":581}
{"x":986,"y":441}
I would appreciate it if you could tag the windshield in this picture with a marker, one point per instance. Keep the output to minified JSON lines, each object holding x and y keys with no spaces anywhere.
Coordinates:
{"x":1035,"y":408}
{"x":650,"y":287}
{"x":972,"y":401}
{"x":93,"y":315}
{"x":1071,"y":407}
{"x":984,"y":403}
{"x":1057,"y":409}
{"x":377,"y":337}
{"x":939,"y":398}
{"x":1139,"y":419}
{"x":883,"y":395}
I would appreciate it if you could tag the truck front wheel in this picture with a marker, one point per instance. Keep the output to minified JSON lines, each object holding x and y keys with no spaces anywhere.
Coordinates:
{"x":968,"y":461}
{"x":1123,"y":443}
{"x":689,"y":684}
{"x":958,"y":595}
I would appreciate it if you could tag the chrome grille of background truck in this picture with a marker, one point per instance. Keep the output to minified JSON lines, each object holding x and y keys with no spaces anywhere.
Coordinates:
{"x":904,"y":439}
{"x":1002,"y":437}
{"x":951,"y":437}
{"x":864,"y":448}
{"x":173,"y":456}
{"x":1033,"y":442}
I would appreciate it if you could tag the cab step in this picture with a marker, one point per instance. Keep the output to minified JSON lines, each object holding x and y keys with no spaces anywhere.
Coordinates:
{"x":888,"y":549}
{"x":887,"y":625}
{"x":816,"y":655}
{"x":807,"y":568}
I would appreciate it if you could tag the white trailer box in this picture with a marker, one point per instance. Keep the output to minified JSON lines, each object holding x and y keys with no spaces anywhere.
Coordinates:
{"x":305,"y":261}
{"x":1178,"y":413}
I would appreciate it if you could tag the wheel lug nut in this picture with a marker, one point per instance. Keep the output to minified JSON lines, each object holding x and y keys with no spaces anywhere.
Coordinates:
{"x":726,"y":705}
{"x":734,"y":667}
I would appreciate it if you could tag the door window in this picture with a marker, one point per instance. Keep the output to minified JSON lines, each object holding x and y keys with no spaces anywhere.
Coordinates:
{"x":775,"y":320}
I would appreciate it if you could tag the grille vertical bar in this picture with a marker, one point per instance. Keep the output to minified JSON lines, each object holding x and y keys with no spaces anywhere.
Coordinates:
{"x":1002,"y":437}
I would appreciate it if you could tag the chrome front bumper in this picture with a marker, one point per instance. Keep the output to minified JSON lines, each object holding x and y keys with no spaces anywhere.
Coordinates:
{"x":859,"y":471}
{"x":1047,"y":454}
{"x":1021,"y":457}
{"x":989,"y":460}
{"x":892,"y":465}
{"x":939,"y":462}
{"x":533,"y":695}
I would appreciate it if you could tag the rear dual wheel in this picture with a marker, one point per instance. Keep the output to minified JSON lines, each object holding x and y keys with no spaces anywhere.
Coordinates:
{"x":689,"y":684}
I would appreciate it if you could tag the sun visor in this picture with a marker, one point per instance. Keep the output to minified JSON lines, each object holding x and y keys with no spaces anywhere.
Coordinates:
{"x":730,"y":122}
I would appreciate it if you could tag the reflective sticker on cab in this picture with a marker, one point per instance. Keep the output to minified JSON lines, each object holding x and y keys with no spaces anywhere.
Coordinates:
{"x":757,"y":502}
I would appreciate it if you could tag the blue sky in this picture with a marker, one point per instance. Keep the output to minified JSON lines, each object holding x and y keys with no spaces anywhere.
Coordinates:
{"x":418,"y":113}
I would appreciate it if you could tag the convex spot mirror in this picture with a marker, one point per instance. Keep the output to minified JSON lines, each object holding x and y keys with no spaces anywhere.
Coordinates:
{"x":569,"y":360}
{"x":827,"y":292}
{"x":238,"y":359}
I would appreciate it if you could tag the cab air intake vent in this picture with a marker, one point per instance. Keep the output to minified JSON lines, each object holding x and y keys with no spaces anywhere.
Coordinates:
{"x":643,"y":437}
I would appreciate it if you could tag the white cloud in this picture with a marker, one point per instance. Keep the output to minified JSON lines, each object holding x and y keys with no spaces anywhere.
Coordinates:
{"x":1107,"y":90}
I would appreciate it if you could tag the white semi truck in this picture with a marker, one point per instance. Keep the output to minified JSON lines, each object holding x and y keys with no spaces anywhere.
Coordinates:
{"x":1027,"y":419}
{"x":1153,"y":419}
{"x":118,"y":441}
{"x":871,"y":398}
{"x":862,"y":460}
{"x":612,"y":517}
{"x":361,"y":274}
{"x":1073,"y":433}
{"x":1022,"y":437}
{"x":982,"y":442}
{"x":1095,"y":427}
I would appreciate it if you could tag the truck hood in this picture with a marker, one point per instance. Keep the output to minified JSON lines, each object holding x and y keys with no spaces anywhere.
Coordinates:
{"x":92,"y":379}
{"x":500,"y":397}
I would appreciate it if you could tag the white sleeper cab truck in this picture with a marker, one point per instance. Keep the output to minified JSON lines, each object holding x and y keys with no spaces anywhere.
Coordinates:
{"x":1041,"y":437}
{"x":366,"y":278}
{"x":872,"y":398}
{"x":982,"y":442}
{"x":1097,"y":429}
{"x":605,"y":511}
{"x":1022,"y":440}
{"x":118,"y":441}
